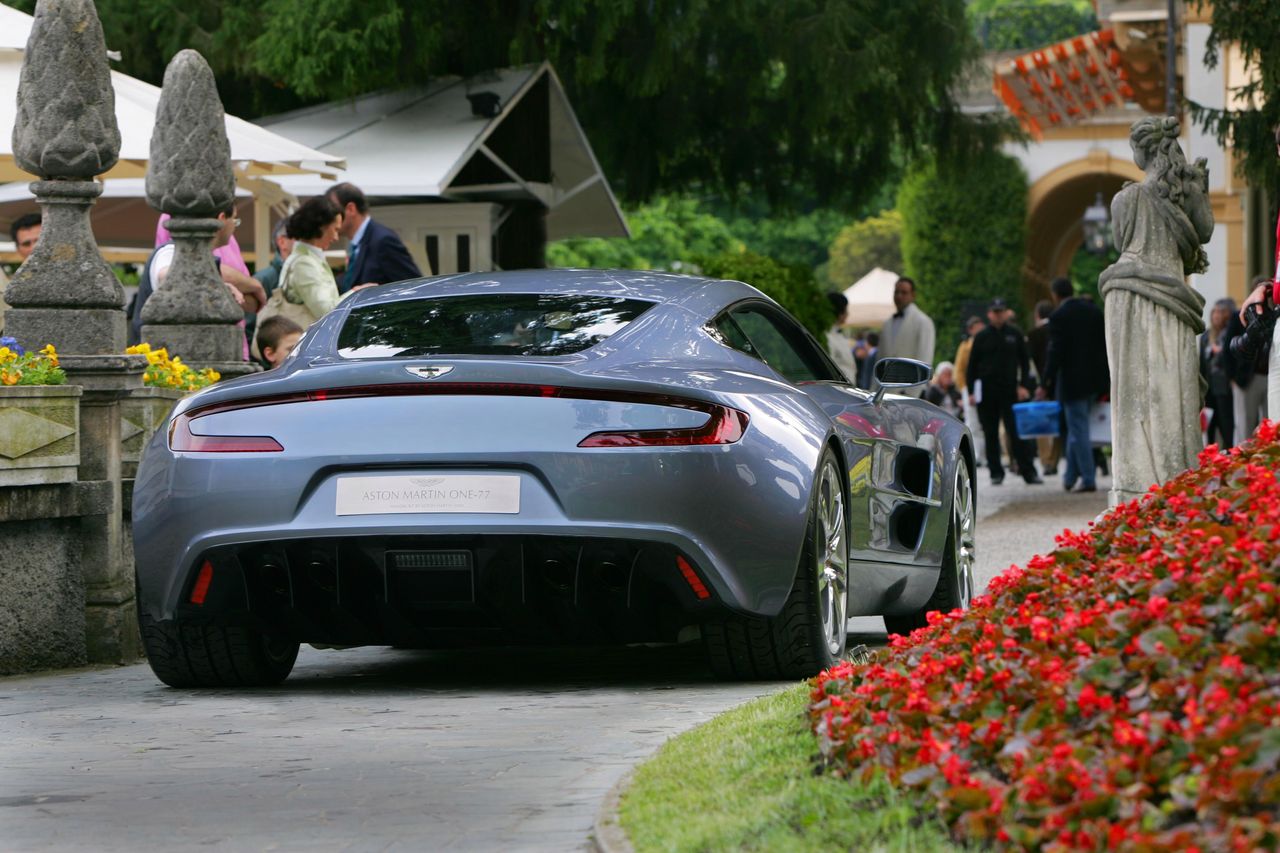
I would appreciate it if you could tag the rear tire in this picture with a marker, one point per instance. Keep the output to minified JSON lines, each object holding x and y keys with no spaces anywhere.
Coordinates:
{"x":955,"y":580}
{"x":808,"y":634}
{"x":215,"y":656}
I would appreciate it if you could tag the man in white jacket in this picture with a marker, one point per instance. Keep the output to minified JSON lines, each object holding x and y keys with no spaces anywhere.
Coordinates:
{"x":909,"y":333}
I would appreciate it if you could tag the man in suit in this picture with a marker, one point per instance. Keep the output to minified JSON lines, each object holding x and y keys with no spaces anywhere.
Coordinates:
{"x":909,"y":333}
{"x":375,"y":254}
{"x":999,"y":375}
{"x":1076,"y":372}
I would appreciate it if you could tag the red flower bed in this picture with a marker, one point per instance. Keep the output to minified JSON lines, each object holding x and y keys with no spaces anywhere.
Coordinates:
{"x":1119,"y":693}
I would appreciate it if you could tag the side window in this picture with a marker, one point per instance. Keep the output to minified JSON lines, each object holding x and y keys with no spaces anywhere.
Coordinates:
{"x":781,"y":345}
{"x":730,"y":335}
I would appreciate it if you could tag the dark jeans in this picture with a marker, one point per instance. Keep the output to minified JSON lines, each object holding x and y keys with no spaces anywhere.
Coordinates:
{"x":1079,"y":450}
{"x":1223,"y":423}
{"x":991,"y":413}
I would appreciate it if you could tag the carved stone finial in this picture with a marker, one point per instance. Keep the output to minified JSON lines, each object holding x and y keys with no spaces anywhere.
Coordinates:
{"x":190,"y":169}
{"x":66,"y":122}
{"x":65,"y":294}
{"x":189,"y":177}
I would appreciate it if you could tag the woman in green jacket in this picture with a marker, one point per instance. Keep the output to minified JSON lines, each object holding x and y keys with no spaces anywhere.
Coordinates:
{"x":306,"y":277}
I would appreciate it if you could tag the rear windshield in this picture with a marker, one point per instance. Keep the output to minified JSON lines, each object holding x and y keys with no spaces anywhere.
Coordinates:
{"x":515,"y":324}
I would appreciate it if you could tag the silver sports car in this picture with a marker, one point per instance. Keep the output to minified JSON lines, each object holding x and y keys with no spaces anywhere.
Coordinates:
{"x":549,"y":456}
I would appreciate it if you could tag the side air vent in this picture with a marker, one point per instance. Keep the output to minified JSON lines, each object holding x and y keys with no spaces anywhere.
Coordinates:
{"x":914,"y":467}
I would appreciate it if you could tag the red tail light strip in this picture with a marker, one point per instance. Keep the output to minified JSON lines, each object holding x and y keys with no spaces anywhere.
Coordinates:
{"x":691,"y":578}
{"x":201,"y":590}
{"x":724,"y":425}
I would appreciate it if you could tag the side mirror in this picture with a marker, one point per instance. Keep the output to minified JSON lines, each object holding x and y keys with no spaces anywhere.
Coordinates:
{"x":895,"y":373}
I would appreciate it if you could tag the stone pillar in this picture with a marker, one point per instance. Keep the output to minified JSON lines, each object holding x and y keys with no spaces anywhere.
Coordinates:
{"x":67,"y":295}
{"x":189,"y":177}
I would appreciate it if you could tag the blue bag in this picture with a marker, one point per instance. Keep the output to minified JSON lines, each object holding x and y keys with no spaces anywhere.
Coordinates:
{"x":1037,"y":418}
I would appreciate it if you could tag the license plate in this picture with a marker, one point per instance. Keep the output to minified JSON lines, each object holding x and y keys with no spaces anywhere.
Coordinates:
{"x":479,"y":493}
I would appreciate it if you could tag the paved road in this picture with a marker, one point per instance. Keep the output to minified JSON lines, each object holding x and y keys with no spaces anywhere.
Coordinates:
{"x":375,"y":749}
{"x":366,"y":749}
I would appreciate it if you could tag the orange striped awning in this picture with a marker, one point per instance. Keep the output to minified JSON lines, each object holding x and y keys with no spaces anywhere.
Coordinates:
{"x":1065,"y":82}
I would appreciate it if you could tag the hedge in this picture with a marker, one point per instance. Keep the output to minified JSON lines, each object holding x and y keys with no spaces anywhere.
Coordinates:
{"x":963,"y":236}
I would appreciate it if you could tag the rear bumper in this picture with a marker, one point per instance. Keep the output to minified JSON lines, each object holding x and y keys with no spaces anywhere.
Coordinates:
{"x":446,"y":590}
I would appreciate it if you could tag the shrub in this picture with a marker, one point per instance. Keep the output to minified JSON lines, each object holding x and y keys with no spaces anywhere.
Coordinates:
{"x":963,"y":236}
{"x":792,"y":287}
{"x":165,"y":372}
{"x":19,"y":367}
{"x":669,"y":232}
{"x":1118,"y":693}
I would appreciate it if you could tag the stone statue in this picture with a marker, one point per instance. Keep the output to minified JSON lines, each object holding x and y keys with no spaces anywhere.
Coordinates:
{"x":1153,"y":314}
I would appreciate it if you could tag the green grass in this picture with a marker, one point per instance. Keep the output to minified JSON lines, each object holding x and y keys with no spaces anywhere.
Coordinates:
{"x":745,"y":781}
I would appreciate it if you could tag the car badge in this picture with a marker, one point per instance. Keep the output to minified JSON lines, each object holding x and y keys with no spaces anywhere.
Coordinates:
{"x":432,"y":372}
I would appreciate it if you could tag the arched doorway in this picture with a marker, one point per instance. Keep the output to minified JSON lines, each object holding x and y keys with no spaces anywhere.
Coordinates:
{"x":1055,"y":207}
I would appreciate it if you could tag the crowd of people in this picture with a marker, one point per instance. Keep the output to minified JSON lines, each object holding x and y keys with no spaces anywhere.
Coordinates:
{"x":1062,"y":358}
{"x":296,"y":286}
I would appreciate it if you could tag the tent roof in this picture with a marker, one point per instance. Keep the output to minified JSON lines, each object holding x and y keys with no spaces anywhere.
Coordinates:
{"x":871,"y":298}
{"x":426,"y":142}
{"x":254,"y":150}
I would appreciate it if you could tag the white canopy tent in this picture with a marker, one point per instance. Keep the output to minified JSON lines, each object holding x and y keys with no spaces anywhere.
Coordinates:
{"x":871,"y":298}
{"x":498,"y":140}
{"x":256,"y":153}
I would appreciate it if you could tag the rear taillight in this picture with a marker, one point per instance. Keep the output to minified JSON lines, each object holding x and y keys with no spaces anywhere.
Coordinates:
{"x":724,"y":426}
{"x":182,"y":438}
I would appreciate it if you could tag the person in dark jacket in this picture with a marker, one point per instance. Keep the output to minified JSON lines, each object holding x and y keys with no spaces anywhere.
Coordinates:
{"x":1250,"y":377}
{"x":999,"y":375}
{"x":1214,"y":361}
{"x":1076,"y":373}
{"x":375,"y":253}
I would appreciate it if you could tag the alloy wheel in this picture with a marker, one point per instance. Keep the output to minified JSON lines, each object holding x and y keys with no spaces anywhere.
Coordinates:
{"x":964,"y":533}
{"x":832,"y":552}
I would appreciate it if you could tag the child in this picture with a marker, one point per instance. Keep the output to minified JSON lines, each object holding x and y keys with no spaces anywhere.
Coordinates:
{"x":277,"y":336}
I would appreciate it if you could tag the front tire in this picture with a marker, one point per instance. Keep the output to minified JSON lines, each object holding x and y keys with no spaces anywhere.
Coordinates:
{"x":215,"y":656}
{"x":955,"y":580}
{"x":808,"y":635}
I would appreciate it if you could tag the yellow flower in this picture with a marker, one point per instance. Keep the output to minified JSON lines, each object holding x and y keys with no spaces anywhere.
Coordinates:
{"x":9,"y":377}
{"x":49,"y":351}
{"x":140,"y":349}
{"x":7,"y":355}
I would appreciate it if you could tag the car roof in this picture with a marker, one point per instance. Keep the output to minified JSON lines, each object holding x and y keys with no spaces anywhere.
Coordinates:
{"x":697,"y":293}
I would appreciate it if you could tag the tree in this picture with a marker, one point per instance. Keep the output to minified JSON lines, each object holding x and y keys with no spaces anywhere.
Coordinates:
{"x":793,"y":239}
{"x":964,"y":235}
{"x":861,"y":247}
{"x":733,"y":96}
{"x":1252,"y":27}
{"x":1029,"y":24}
